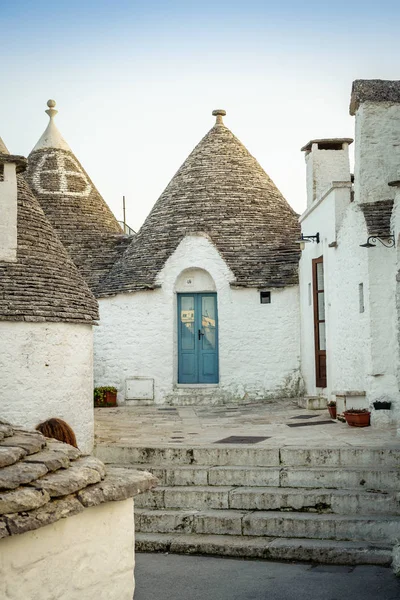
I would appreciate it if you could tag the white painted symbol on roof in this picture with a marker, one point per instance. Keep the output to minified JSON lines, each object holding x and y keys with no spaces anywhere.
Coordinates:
{"x":64,"y":176}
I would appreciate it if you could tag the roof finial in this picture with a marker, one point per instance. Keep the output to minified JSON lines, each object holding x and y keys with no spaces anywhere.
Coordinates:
{"x":219,"y":113}
{"x":51,"y":111}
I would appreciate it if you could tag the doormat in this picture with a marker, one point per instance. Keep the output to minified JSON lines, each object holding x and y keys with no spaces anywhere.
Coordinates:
{"x":167,"y":409}
{"x":242,"y":439}
{"x":304,"y":417}
{"x":309,"y":424}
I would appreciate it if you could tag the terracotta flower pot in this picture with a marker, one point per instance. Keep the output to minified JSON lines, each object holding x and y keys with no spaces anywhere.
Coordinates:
{"x":111,"y":399}
{"x":332,"y":411}
{"x":357,"y":419}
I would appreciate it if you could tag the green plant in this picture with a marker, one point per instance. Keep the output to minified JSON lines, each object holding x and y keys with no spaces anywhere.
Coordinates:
{"x":99,"y":394}
{"x":357,"y":411}
{"x":332,"y":403}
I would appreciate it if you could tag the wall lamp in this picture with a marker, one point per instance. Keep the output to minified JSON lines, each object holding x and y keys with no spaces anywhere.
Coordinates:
{"x":373,"y":238}
{"x":304,"y":239}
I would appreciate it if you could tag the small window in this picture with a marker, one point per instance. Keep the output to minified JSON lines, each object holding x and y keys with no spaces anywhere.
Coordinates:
{"x":361,"y":297}
{"x":265,"y":297}
{"x":1,"y":172}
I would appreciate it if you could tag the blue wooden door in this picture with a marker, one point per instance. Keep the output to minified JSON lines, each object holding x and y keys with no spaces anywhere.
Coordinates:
{"x":197,"y":338}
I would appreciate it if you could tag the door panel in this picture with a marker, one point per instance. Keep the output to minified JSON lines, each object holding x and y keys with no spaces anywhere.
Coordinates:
{"x":187,"y":339}
{"x":197,"y":338}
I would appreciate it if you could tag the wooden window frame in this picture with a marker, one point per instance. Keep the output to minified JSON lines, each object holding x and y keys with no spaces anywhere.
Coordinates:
{"x":320,"y":355}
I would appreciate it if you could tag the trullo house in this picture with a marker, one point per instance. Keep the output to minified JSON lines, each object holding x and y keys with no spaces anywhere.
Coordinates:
{"x":203,"y":306}
{"x":47,"y":314}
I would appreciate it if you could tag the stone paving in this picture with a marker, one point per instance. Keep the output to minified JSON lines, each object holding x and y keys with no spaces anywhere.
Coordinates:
{"x":205,"y":425}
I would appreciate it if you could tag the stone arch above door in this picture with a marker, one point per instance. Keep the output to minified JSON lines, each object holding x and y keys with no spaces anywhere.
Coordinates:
{"x":194,"y":280}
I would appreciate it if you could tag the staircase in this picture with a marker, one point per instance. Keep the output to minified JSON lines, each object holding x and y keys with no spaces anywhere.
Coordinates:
{"x":331,"y":505}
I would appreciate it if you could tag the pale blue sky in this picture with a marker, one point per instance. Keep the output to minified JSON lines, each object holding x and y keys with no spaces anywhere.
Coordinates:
{"x":136,"y":81}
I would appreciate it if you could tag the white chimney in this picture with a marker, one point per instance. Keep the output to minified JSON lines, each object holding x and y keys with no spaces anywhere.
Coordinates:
{"x":9,"y":166}
{"x":327,"y":160}
{"x":376,"y":106}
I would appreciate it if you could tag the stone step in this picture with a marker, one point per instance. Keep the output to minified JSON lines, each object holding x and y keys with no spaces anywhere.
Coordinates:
{"x":250,"y":456}
{"x":271,"y":498}
{"x":270,"y":524}
{"x":377,"y":479}
{"x":320,"y":551}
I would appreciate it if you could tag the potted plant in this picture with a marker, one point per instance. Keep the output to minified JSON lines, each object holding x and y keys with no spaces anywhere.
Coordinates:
{"x":105,"y":396}
{"x":382,"y":405}
{"x":357,"y":417}
{"x":332,"y":408}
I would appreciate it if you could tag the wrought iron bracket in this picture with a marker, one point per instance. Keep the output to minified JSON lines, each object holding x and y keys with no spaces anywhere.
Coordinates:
{"x":373,"y":238}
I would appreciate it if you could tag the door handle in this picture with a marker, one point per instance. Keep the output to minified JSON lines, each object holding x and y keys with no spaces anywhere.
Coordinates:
{"x":200,"y":334}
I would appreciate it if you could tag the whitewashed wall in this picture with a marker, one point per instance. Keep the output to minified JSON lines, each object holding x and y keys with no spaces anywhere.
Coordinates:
{"x":8,"y":211}
{"x":89,"y":556}
{"x":46,"y":370}
{"x":324,"y":217}
{"x":258,"y":343}
{"x":324,"y":167}
{"x":377,"y":150}
{"x":362,"y":347}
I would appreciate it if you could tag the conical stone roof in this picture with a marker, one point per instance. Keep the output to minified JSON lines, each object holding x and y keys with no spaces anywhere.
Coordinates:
{"x":44,"y":284}
{"x":221,"y":191}
{"x":81,"y":218}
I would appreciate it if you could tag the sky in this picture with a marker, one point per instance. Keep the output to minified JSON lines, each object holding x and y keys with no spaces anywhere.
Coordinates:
{"x":136,"y":82}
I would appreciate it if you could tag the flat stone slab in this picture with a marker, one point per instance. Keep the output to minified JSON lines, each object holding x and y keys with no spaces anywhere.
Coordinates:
{"x":20,"y":473}
{"x":22,"y":499}
{"x":45,"y":515}
{"x":31,"y":442}
{"x":51,"y":459}
{"x":320,"y":551}
{"x":119,"y":484}
{"x":81,"y":473}
{"x":71,"y":452}
{"x":9,"y":456}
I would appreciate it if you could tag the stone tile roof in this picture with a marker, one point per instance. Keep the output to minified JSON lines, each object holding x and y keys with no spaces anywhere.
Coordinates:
{"x":44,"y":284}
{"x":373,"y":90}
{"x":223,"y":192}
{"x":377,"y":217}
{"x":82,"y":220}
{"x":76,"y":210}
{"x":43,"y":480}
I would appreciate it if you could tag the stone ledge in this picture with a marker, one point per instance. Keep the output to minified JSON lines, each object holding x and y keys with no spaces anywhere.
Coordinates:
{"x":373,"y":90}
{"x":120,"y":484}
{"x":43,"y":480}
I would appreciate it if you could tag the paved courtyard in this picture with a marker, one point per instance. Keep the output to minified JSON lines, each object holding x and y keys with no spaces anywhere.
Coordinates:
{"x":282,"y":423}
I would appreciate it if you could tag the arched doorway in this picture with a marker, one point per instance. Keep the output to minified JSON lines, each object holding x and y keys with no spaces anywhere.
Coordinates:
{"x":197,"y":321}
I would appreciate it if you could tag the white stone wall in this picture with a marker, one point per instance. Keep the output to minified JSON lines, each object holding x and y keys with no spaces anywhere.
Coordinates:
{"x":324,"y":217}
{"x":258,"y":343}
{"x":362,"y":347}
{"x":324,"y":167}
{"x":46,"y":370}
{"x":8,"y":214}
{"x":377,"y":150}
{"x":89,"y":556}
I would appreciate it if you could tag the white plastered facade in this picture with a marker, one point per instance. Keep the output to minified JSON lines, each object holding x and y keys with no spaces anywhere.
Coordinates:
{"x":258,"y":343}
{"x":74,"y":558}
{"x":8,"y":211}
{"x":46,"y":370}
{"x":361,"y":291}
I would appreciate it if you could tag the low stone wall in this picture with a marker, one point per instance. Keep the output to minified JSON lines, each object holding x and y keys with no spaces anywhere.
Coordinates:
{"x":77,"y":558}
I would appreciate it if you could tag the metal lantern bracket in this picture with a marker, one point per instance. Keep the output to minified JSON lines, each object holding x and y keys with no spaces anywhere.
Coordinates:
{"x":309,"y":238}
{"x":373,"y":238}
